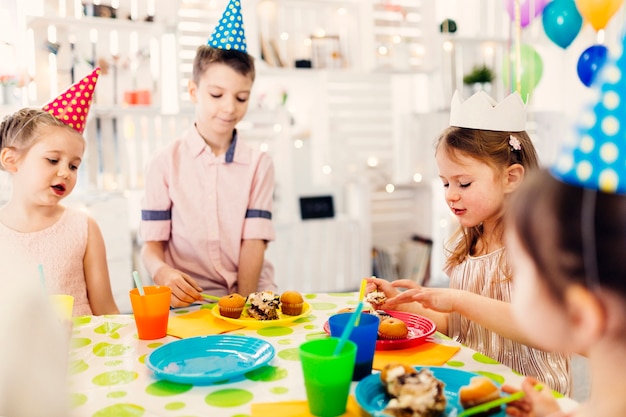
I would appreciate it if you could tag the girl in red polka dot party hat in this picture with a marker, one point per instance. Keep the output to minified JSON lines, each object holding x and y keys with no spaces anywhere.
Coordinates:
{"x":566,"y":235}
{"x":42,"y":149}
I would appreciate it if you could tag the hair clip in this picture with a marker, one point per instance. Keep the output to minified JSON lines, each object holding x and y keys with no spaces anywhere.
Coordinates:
{"x":515,"y":143}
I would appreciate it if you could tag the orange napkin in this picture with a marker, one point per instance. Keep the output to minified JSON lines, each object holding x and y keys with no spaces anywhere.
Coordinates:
{"x":428,"y":353}
{"x":298,"y":409}
{"x":198,"y":323}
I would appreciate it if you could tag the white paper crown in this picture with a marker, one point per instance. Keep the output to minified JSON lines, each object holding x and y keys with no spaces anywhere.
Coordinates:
{"x":480,"y":111}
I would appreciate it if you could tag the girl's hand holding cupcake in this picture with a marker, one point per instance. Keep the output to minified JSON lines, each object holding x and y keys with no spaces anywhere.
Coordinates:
{"x":443,"y":300}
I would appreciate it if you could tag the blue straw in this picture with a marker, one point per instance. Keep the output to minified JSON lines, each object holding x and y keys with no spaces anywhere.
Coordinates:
{"x":348,"y":329}
{"x":138,"y":283}
{"x":41,"y":276}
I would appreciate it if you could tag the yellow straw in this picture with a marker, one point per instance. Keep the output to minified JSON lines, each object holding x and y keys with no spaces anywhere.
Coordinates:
{"x":362,"y":290}
{"x":361,"y":297}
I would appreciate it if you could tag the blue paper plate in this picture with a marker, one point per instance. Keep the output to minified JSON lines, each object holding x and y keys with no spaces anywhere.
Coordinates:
{"x":207,"y":359}
{"x":372,"y":396}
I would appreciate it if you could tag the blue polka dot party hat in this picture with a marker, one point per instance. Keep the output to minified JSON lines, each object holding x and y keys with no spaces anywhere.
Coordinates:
{"x":598,"y":161}
{"x":229,"y":32}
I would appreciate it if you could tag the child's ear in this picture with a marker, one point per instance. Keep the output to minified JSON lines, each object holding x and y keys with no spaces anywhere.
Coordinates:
{"x":192,"y":88}
{"x":514,"y":175}
{"x":8,"y":159}
{"x":586,"y":317}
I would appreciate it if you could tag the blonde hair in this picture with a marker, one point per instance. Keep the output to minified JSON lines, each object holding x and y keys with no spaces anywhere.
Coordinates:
{"x":489,"y":147}
{"x":22,"y":129}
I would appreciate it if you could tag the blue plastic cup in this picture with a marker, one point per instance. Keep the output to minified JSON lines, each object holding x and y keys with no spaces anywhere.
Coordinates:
{"x":364,"y":336}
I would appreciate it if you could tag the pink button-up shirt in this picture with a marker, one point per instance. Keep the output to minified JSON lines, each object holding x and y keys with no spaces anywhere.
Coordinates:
{"x":203,"y":206}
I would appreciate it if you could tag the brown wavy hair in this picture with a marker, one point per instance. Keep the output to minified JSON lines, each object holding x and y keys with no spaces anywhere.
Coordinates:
{"x":489,"y":147}
{"x":206,"y":55}
{"x":547,"y":216}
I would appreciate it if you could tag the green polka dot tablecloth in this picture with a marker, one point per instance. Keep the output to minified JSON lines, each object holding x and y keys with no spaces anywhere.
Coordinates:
{"x":108,"y":375}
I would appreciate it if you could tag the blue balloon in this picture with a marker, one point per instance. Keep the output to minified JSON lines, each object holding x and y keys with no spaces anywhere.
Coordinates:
{"x":562,"y":22}
{"x":590,"y":63}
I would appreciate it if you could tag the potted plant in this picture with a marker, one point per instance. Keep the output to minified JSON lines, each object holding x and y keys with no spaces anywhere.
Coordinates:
{"x":479,"y":78}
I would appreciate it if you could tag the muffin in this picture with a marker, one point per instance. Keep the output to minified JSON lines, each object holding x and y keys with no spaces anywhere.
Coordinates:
{"x":479,"y":391}
{"x":263,"y":305}
{"x":231,"y":305}
{"x":392,"y":328}
{"x":291,"y":303}
{"x":376,"y":298}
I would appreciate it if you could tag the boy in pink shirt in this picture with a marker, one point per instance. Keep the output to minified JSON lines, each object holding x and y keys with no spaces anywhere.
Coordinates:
{"x":206,"y":214}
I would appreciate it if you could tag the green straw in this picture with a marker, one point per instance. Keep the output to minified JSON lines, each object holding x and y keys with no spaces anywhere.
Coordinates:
{"x":210,"y":297}
{"x":348,"y":329}
{"x":497,"y":402}
{"x":138,"y":283}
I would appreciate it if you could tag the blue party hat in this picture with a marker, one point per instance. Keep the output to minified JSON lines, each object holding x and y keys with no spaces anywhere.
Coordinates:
{"x":598,"y":159}
{"x":229,"y":32}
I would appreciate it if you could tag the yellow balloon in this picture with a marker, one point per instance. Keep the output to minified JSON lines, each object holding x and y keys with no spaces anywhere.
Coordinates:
{"x":598,"y":12}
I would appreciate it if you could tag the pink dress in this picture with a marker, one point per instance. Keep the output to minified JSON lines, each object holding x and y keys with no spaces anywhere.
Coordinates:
{"x":60,"y":249}
{"x":483,"y":275}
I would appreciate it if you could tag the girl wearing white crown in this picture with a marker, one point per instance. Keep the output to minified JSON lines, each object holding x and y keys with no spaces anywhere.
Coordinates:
{"x":482,"y":159}
{"x":42,"y":150}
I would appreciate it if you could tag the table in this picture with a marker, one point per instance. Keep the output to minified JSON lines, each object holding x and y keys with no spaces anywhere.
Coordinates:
{"x":108,"y":375}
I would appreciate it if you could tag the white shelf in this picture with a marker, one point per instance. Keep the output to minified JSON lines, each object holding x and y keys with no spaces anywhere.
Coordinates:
{"x":88,"y":22}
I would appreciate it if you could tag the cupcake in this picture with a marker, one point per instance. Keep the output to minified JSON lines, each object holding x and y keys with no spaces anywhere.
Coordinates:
{"x":291,"y":303}
{"x":392,"y":328}
{"x":376,"y":298}
{"x":480,"y":390}
{"x":231,"y":305}
{"x":263,"y":305}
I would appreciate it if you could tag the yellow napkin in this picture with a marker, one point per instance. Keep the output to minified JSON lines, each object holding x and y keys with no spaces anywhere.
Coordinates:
{"x":198,"y":323}
{"x":428,"y":353}
{"x":298,"y":409}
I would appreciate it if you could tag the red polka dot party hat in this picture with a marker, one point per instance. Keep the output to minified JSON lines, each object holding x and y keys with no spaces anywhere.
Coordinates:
{"x":73,"y":105}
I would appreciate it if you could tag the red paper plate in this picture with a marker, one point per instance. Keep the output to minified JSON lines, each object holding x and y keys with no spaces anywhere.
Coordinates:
{"x":420,"y":328}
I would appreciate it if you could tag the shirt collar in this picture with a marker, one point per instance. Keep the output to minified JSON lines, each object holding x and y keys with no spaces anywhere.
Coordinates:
{"x":198,"y":145}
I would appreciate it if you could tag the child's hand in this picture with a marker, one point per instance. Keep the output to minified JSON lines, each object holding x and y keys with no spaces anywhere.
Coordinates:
{"x":185,"y":290}
{"x":534,"y":404}
{"x":377,"y":284}
{"x":438,"y":299}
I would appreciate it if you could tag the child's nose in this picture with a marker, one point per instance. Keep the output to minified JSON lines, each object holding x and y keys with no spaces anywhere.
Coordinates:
{"x":452,"y":195}
{"x":63,"y":172}
{"x":228,"y":105}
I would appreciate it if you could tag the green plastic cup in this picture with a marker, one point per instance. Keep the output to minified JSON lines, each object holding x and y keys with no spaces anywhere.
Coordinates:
{"x":327,"y":377}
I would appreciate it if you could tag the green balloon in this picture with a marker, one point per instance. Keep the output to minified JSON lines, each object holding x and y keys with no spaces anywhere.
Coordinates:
{"x":531,"y":70}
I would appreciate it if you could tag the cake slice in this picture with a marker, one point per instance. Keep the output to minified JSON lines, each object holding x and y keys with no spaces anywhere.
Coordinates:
{"x":263,"y":305}
{"x":414,"y":393}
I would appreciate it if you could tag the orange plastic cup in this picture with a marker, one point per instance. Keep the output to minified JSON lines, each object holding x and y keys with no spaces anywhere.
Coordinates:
{"x":151,"y":311}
